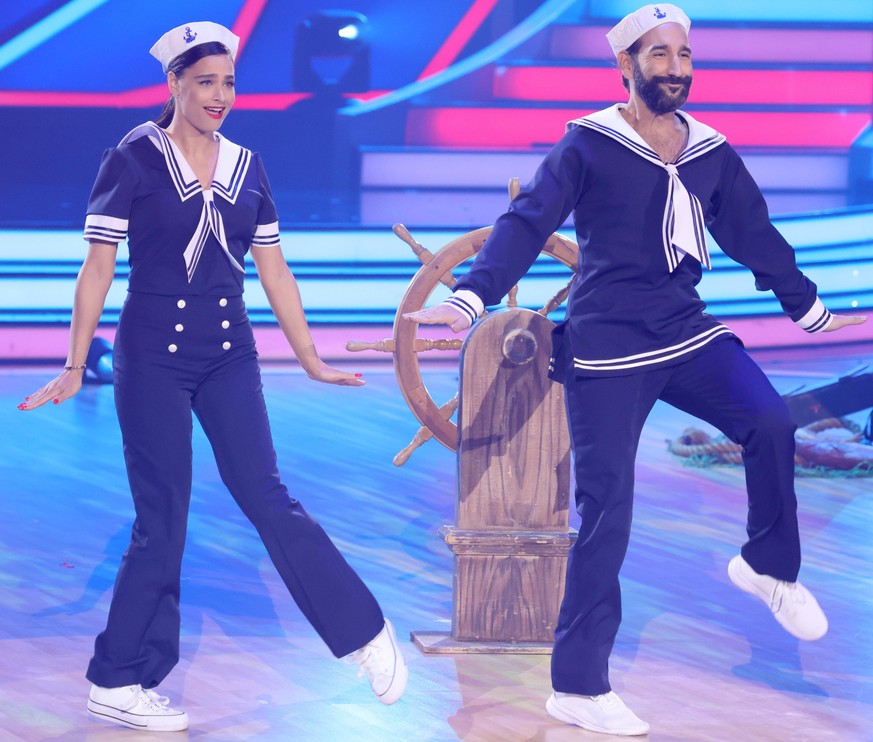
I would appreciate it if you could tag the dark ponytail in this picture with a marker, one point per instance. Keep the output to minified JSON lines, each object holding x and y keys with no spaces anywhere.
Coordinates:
{"x":179,"y":64}
{"x":167,"y":113}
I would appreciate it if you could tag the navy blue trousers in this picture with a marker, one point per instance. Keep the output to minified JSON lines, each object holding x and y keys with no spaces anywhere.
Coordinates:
{"x":171,"y":360}
{"x":720,"y":385}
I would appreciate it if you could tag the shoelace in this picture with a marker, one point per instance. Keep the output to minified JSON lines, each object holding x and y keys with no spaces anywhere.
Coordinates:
{"x":372,"y":661}
{"x":607,"y":699}
{"x":783,"y":590}
{"x":153,"y":699}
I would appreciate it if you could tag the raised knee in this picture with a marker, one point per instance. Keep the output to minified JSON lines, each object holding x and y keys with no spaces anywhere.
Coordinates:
{"x":774,"y":425}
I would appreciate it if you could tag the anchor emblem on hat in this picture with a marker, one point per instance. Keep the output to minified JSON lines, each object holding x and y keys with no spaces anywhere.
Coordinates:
{"x":189,"y":35}
{"x":659,"y":13}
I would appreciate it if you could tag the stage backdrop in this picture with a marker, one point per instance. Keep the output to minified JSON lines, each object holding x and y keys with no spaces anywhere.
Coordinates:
{"x":456,"y":98}
{"x":459,"y":98}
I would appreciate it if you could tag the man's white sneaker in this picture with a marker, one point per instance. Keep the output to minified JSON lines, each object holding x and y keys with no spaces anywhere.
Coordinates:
{"x":604,"y":713}
{"x":134,"y":706}
{"x":383,"y":662}
{"x":790,"y":602}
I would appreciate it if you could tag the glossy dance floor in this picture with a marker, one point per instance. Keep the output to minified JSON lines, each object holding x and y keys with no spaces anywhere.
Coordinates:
{"x":695,"y":657}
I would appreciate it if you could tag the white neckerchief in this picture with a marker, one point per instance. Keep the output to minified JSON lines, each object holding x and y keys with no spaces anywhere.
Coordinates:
{"x":230,"y":170}
{"x":683,"y":228}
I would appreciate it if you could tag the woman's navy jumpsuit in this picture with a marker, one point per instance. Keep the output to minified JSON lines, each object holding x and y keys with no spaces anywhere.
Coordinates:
{"x":184,"y":343}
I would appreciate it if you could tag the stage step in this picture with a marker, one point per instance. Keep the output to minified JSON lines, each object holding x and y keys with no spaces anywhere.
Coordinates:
{"x":792,"y":100}
{"x":514,"y":127}
{"x":765,"y":89}
{"x":432,"y":187}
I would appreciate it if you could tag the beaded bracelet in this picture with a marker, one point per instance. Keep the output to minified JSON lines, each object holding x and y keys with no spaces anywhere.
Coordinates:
{"x":74,"y":368}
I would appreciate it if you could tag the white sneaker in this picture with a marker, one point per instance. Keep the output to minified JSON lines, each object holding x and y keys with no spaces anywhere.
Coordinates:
{"x":605,"y":713}
{"x":383,"y":662}
{"x":134,"y":706}
{"x":790,"y":602}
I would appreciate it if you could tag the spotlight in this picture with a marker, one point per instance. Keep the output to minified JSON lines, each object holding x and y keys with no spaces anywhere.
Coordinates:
{"x":332,"y":52}
{"x":99,"y":362}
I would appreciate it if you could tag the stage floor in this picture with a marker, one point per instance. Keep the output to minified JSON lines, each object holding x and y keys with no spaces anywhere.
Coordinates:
{"x":696,"y":658}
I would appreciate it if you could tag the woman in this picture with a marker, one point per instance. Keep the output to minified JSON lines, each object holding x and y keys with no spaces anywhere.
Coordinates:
{"x":191,"y":204}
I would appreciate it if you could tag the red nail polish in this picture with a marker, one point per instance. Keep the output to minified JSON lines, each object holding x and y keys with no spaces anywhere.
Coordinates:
{"x":56,"y":401}
{"x":358,"y":376}
{"x":22,"y":406}
{"x":26,"y":398}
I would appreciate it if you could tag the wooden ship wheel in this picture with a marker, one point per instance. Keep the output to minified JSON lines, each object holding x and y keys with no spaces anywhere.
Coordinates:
{"x":511,"y":537}
{"x":405,"y":345}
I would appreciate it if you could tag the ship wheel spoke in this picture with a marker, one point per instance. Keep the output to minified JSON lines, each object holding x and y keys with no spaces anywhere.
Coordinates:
{"x":556,"y":301}
{"x":424,"y":433}
{"x":421,"y":345}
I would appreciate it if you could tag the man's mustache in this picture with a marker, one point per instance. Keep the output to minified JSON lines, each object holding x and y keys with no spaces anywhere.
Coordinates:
{"x":671,"y":80}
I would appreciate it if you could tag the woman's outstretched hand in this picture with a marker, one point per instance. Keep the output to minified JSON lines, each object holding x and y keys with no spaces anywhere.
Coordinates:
{"x":330,"y":375}
{"x":441,"y":314}
{"x":56,"y":391}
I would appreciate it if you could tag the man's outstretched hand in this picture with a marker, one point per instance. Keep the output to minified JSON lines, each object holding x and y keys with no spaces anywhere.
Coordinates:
{"x":441,"y":314}
{"x":839,"y":321}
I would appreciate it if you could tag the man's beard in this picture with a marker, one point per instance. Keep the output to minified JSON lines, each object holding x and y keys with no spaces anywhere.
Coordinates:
{"x":658,"y":100}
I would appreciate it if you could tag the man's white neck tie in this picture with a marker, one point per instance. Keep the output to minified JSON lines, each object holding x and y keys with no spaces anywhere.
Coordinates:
{"x":683,"y":223}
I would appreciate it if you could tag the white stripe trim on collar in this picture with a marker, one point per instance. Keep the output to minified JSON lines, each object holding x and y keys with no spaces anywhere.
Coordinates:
{"x":230,"y":170}
{"x":609,"y":121}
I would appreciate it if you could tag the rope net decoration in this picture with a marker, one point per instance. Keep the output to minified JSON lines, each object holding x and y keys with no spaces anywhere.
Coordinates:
{"x":832,"y":447}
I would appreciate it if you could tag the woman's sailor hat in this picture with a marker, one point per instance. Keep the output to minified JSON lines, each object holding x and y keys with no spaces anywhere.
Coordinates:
{"x":182,"y":38}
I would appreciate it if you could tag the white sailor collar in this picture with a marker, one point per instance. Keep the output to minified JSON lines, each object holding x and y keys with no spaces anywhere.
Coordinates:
{"x":683,"y":227}
{"x":230,"y":170}
{"x":610,"y":122}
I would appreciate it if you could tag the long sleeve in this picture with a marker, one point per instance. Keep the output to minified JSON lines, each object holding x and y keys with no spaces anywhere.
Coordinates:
{"x":741,"y":225}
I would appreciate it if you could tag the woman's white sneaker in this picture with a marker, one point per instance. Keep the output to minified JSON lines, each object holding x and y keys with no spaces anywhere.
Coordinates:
{"x":793,"y":606}
{"x":383,"y":662}
{"x":134,"y":706}
{"x":605,"y":713}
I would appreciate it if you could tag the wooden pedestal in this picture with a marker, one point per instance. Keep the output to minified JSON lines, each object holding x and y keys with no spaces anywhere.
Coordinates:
{"x":511,"y":536}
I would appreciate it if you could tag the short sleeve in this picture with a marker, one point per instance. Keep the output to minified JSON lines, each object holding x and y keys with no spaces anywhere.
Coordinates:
{"x":267,"y":227}
{"x":111,"y":198}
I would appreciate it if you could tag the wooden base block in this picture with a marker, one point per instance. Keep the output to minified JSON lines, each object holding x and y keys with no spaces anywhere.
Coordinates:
{"x":508,"y":585}
{"x":441,"y":642}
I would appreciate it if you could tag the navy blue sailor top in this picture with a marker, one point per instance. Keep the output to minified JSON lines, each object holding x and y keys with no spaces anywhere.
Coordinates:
{"x":183,"y":239}
{"x":633,"y":303}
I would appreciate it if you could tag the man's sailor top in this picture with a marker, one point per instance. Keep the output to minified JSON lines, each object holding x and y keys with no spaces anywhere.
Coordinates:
{"x":639,"y":223}
{"x":184,"y":239}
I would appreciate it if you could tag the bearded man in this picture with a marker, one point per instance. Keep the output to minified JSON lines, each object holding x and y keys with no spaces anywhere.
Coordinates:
{"x":644,"y":180}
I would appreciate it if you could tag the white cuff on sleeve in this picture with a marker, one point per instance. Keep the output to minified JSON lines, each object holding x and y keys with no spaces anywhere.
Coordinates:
{"x":102,"y":228}
{"x":266,"y":235}
{"x":467,"y":303}
{"x":817,"y":319}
